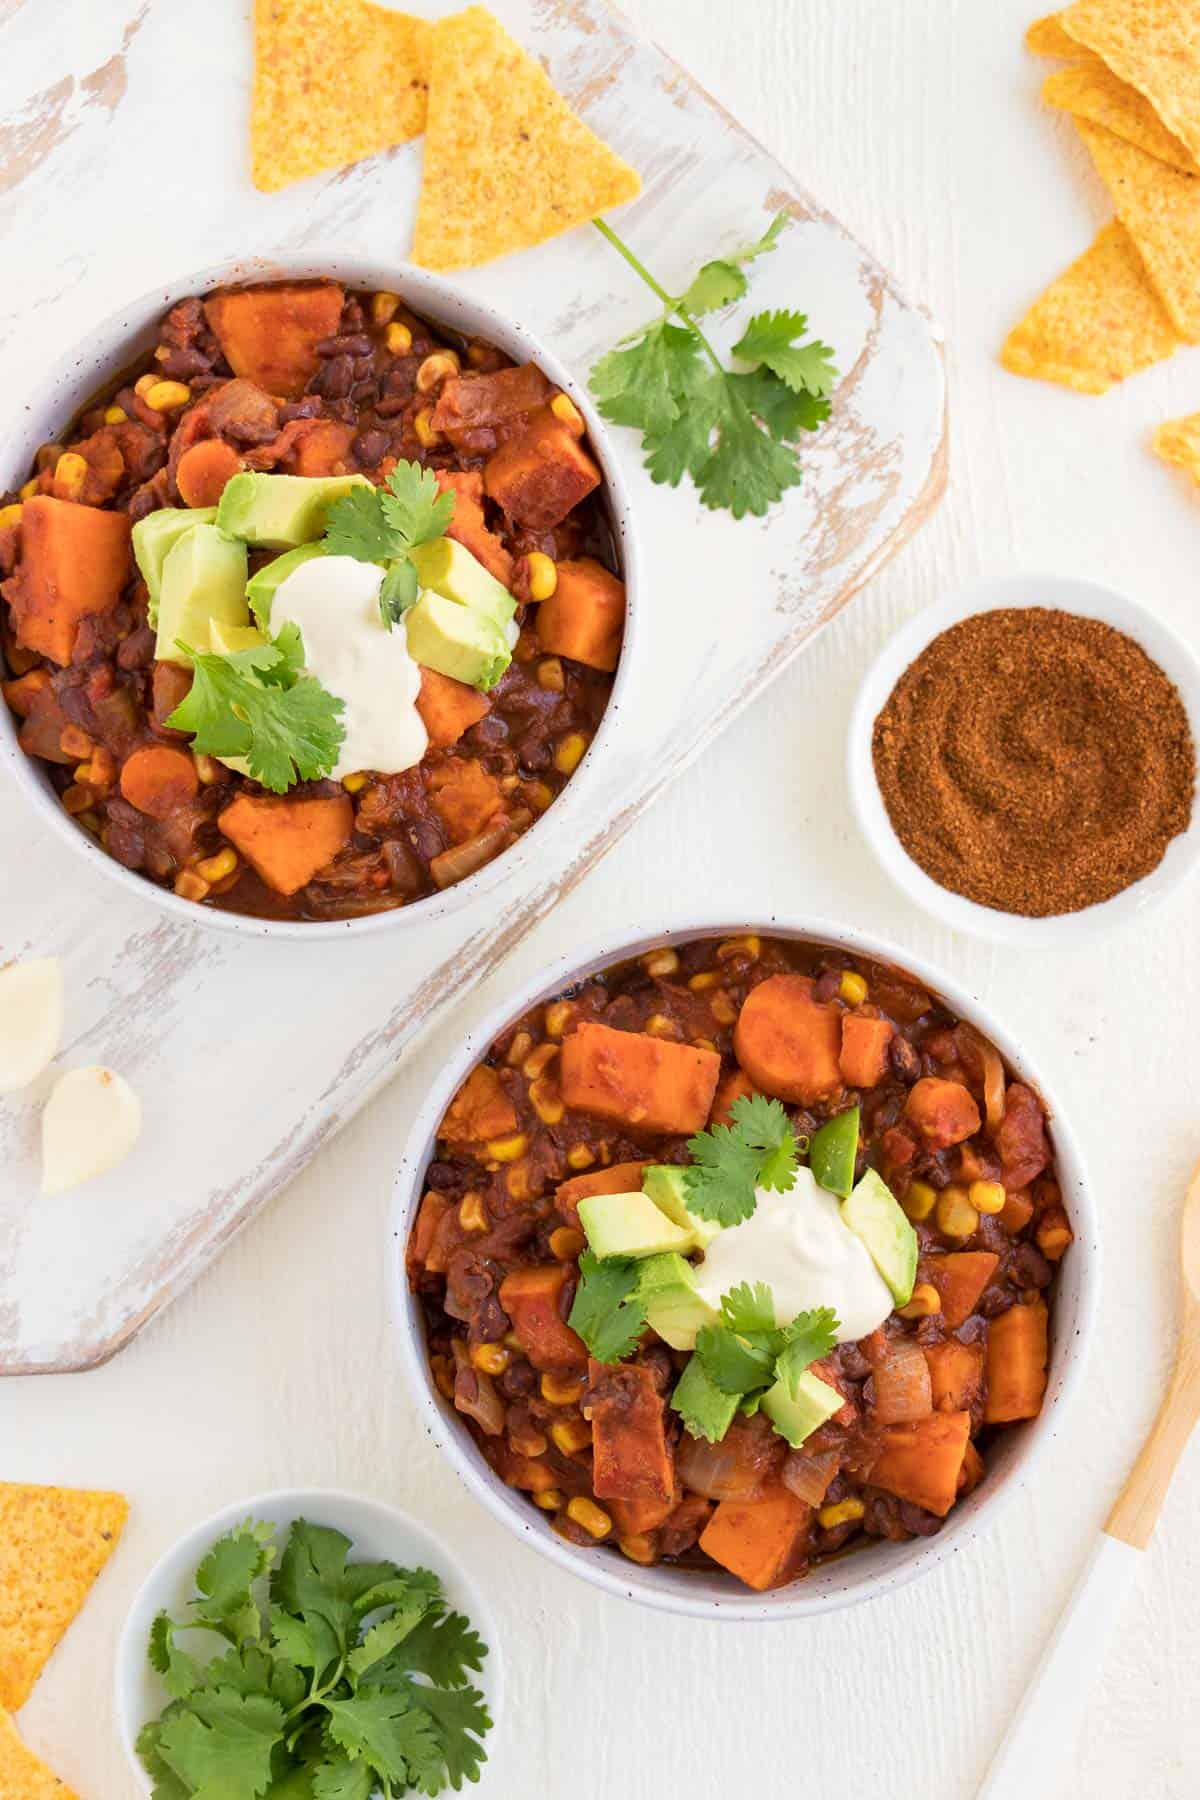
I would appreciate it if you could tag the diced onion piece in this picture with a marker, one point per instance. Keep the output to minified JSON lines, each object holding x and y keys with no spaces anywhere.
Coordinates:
{"x":717,"y":1471}
{"x":993,"y":1075}
{"x":31,"y":1020}
{"x":809,"y":1477}
{"x":91,"y":1123}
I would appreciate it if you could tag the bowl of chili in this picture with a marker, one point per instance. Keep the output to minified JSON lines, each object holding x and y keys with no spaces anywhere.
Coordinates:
{"x":479,"y":1223}
{"x":406,"y":847}
{"x":1029,"y":741}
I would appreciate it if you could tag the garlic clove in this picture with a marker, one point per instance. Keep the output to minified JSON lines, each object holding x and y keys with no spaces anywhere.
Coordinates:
{"x":31,"y":1019}
{"x":91,"y":1123}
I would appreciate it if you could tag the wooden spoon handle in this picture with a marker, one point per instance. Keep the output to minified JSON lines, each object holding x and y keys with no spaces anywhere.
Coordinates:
{"x":1140,"y":1501}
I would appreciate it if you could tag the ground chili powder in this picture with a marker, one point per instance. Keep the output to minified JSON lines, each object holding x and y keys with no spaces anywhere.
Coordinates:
{"x":1035,"y":761}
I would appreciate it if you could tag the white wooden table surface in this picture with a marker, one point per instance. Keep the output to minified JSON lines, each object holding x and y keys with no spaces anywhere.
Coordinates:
{"x":917,"y":122}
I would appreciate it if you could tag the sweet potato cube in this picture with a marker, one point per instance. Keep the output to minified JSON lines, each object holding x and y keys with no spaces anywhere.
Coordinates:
{"x":159,"y":779}
{"x":323,"y":448}
{"x":955,"y":1374}
{"x":971,"y":1473}
{"x":448,"y":708}
{"x":584,"y":616}
{"x":464,"y":796}
{"x":960,"y":1279}
{"x":204,"y":471}
{"x":470,"y":401}
{"x":540,"y":473}
{"x":75,"y":561}
{"x":787,"y":1042}
{"x":737,"y":1085}
{"x":632,"y":1517}
{"x":288,"y":841}
{"x":643,"y":1082}
{"x":618,"y":1178}
{"x":760,"y":1541}
{"x":533,"y":1299}
{"x":921,"y":1463}
{"x":469,"y":528}
{"x":943,"y":1112}
{"x":864,"y":1053}
{"x":534,"y":1474}
{"x":1016,"y":1364}
{"x":480,"y":1110}
{"x":631,"y":1459}
{"x":270,"y":334}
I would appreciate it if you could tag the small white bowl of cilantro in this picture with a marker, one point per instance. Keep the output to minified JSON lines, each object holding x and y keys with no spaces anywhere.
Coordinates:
{"x":305,"y":1643}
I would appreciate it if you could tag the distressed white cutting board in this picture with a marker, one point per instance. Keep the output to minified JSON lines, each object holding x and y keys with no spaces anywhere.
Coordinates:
{"x":122,"y":144}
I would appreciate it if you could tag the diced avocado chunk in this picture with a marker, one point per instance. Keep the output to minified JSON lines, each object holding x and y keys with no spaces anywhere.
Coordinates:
{"x":456,"y":641}
{"x":797,"y":1409}
{"x":277,"y":512}
{"x":667,"y":1188}
{"x":203,"y":579}
{"x":674,"y":1307}
{"x":629,"y":1225}
{"x":832,"y":1152}
{"x":226,"y":640}
{"x":874,"y":1215}
{"x":261,"y":587}
{"x":155,"y":536}
{"x":449,"y":569}
{"x":698,"y":1397}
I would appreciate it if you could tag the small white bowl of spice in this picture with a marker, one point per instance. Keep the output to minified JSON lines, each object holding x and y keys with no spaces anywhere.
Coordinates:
{"x":1022,"y":759}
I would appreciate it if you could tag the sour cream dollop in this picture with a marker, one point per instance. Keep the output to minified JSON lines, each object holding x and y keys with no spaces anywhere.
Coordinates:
{"x":335,"y":602}
{"x":797,"y":1244}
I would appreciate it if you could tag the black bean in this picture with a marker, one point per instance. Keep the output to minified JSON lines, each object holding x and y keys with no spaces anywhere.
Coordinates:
{"x":518,"y":1380}
{"x":137,"y":650}
{"x":533,"y":751}
{"x":904,"y":1059}
{"x":826,"y":985}
{"x":426,"y":840}
{"x":335,"y":380}
{"x":390,"y":408}
{"x":182,"y":365}
{"x":444,"y":1177}
{"x":369,"y":446}
{"x":490,"y":731}
{"x":364,"y":393}
{"x":348,"y":344}
{"x":307,"y":408}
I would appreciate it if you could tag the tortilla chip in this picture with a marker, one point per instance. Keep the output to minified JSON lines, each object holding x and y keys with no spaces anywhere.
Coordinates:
{"x":1099,"y":322}
{"x":1090,"y":90}
{"x":1046,"y":37}
{"x":1155,"y":46}
{"x":1178,"y":441}
{"x":22,"y":1776}
{"x":334,"y":81}
{"x":1160,"y":209}
{"x":53,"y":1544}
{"x":507,"y":163}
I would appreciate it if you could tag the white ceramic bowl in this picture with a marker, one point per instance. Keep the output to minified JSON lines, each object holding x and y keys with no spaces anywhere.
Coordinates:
{"x":377,"y":1532}
{"x":873,"y":1570}
{"x":1067,"y":595}
{"x":107,"y":350}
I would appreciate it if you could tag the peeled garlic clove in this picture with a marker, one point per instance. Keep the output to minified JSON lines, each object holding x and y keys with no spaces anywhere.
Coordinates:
{"x":31,"y":1019}
{"x":91,"y":1122}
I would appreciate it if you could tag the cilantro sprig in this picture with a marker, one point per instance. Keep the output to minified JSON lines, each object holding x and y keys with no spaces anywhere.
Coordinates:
{"x":384,"y":524}
{"x":345,"y":1679}
{"x":731,"y":1162}
{"x":744,"y":1355}
{"x":259,"y":705}
{"x":733,"y":431}
{"x":608,"y":1312}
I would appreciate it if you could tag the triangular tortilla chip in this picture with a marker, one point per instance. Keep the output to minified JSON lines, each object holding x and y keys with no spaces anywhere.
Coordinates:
{"x":1046,"y":37}
{"x":507,"y":163}
{"x":334,"y":81}
{"x":1155,"y":46}
{"x":22,"y":1775}
{"x":1160,"y":209}
{"x":1178,"y":441}
{"x":53,"y":1544}
{"x":1099,"y":322}
{"x":1090,"y":90}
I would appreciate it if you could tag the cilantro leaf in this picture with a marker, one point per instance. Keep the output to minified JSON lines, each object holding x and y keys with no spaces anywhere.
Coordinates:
{"x":285,"y":734}
{"x":341,"y":1779}
{"x":290,"y":667}
{"x":767,"y":1128}
{"x":167,"y":1785}
{"x":805,"y":368}
{"x":398,"y":591}
{"x":356,"y":526}
{"x":723,"y":1176}
{"x":809,"y":1336}
{"x":443,"y":1647}
{"x":394,"y":1587}
{"x":311,"y":1577}
{"x":723,"y":281}
{"x":607,"y":1312}
{"x":747,"y":471}
{"x":382,"y":1639}
{"x":414,"y":506}
{"x":226,"y":1577}
{"x":784,"y":414}
{"x":732,"y":1363}
{"x":635,"y":385}
{"x":747,"y":1309}
{"x":307,"y":1641}
{"x":685,"y":447}
{"x":458,"y":1716}
{"x":180,"y":1672}
{"x":384,"y":1729}
{"x":220,"y":1743}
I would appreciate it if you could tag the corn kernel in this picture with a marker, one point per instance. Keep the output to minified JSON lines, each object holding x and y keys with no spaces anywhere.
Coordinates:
{"x":538,"y":1061}
{"x":987,"y":1196}
{"x":722,"y":1008}
{"x":538,"y":795}
{"x":571,"y":1435}
{"x":704,"y":1043}
{"x":518,"y":1180}
{"x":660,"y":1026}
{"x":639,"y":1548}
{"x":558,"y":1017}
{"x":569,"y":752}
{"x":166,"y":396}
{"x":354,"y":784}
{"x":216,"y":868}
{"x":852,"y":988}
{"x":489,"y":1359}
{"x":32,"y":486}
{"x":208,"y":769}
{"x":529,"y":1443}
{"x":566,"y":1244}
{"x":383,"y":307}
{"x":435,"y":369}
{"x":550,"y":1499}
{"x":842,"y":1512}
{"x":190,"y":886}
{"x":568,"y":414}
{"x":519,"y":1049}
{"x":10,"y":515}
{"x":70,"y":473}
{"x":144,"y":383}
{"x":423,"y":426}
{"x":660,"y":963}
{"x":561,"y":1390}
{"x":443,"y":1375}
{"x":920,"y":1200}
{"x":542,"y":571}
{"x":89,"y":820}
{"x":580,"y":1157}
{"x":512,"y":1341}
{"x":398,"y":338}
{"x":593,"y":1518}
{"x":115,"y":415}
{"x":547,"y":1101}
{"x":77,"y":799}
{"x":507,"y":1149}
{"x":739,"y":946}
{"x":708,"y":978}
{"x":1054,"y":1236}
{"x":956,"y":1217}
{"x":471,"y":1213}
{"x":75,"y":743}
{"x":550,"y":675}
{"x":925,"y":1301}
